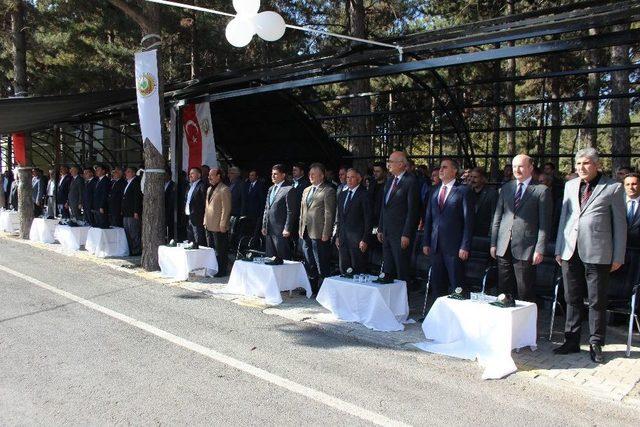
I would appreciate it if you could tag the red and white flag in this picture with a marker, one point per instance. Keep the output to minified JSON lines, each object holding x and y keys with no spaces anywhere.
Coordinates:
{"x":198,"y":146}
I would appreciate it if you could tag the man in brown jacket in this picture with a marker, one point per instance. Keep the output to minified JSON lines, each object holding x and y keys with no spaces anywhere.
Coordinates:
{"x":317,"y":215}
{"x":217,"y":215}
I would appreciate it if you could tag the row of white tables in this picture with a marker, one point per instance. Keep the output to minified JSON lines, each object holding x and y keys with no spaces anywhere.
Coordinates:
{"x":457,"y":328}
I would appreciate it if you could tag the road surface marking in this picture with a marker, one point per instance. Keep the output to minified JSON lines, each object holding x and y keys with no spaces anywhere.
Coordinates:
{"x":292,"y":386}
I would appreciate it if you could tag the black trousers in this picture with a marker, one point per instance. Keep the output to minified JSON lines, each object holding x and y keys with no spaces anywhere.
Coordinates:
{"x":591,"y":281}
{"x":317,"y":254}
{"x":396,"y":260}
{"x":115,"y":220}
{"x":88,"y":217}
{"x":196,"y":234}
{"x":447,"y":273}
{"x":350,"y":256}
{"x":99,"y":219}
{"x":516,"y":275}
{"x":219,"y":242}
{"x":278,"y":246}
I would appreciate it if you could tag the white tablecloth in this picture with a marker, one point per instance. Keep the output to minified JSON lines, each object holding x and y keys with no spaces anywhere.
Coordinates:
{"x":71,"y":237}
{"x":106,"y":242}
{"x":267,"y":281}
{"x":378,"y":307}
{"x":43,"y":230}
{"x":179,"y":262}
{"x":9,"y":221}
{"x":478,"y":330}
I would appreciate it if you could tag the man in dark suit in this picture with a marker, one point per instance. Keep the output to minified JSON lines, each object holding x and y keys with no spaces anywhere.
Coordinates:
{"x":76,"y":189}
{"x":591,"y":244}
{"x":398,"y":218}
{"x":485,"y":200}
{"x":632,"y":200}
{"x":169,"y":200}
{"x":353,"y":224}
{"x":62,"y":192}
{"x":116,"y":191}
{"x":100,"y":198}
{"x":131,"y":208}
{"x":238,"y":190}
{"x":317,"y":216}
{"x":7,"y":180}
{"x":300,"y":180}
{"x":38,"y":191}
{"x":377,"y":190}
{"x":256,"y":195}
{"x":520,"y":230}
{"x":448,"y":227}
{"x":280,"y":217}
{"x":194,"y":209}
{"x":90,"y":182}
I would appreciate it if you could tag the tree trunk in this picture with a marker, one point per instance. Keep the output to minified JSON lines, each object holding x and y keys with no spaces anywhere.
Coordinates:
{"x":495,"y":146}
{"x":18,"y":33}
{"x":510,"y":94}
{"x":361,"y":106}
{"x":620,"y":136}
{"x":556,"y":121}
{"x":590,"y":134}
{"x":153,"y":202}
{"x":25,"y":190}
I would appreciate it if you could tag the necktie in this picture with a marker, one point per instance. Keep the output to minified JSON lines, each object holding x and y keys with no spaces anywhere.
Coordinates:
{"x":394,"y":185}
{"x":586,"y":194}
{"x":310,"y":196}
{"x":442,"y":196}
{"x":516,"y":201}
{"x":346,"y":203}
{"x":631,"y":211}
{"x":273,"y":195}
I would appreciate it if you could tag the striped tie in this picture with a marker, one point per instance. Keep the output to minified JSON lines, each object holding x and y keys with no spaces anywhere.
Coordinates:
{"x":516,"y":202}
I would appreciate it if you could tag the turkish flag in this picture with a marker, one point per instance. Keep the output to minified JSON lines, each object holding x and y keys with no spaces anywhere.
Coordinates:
{"x":192,"y":136}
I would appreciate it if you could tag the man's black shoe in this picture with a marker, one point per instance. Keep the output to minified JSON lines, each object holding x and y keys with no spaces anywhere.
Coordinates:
{"x":567,"y":348}
{"x":595,"y":351}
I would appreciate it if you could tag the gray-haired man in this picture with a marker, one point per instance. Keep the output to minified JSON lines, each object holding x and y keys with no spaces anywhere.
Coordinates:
{"x":591,"y":243}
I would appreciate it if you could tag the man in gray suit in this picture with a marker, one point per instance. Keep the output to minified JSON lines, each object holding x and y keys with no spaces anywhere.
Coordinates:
{"x":280,"y":215}
{"x":76,"y":187}
{"x":317,"y":215}
{"x":520,"y":229}
{"x":592,"y":238}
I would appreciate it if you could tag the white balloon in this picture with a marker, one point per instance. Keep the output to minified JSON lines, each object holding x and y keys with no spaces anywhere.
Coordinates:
{"x":270,"y":26}
{"x":240,"y":31}
{"x":246,"y":7}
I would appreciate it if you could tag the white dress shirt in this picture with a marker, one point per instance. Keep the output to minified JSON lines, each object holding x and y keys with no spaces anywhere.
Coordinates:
{"x":189,"y":194}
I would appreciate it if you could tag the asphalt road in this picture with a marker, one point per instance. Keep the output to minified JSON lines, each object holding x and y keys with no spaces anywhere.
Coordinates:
{"x":84,"y":344}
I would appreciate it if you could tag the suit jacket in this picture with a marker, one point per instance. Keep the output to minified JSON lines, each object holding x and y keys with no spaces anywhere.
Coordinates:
{"x":449,"y":229}
{"x":598,"y":230}
{"x":399,"y":215}
{"x":255,"y":199}
{"x":353,"y":224}
{"x":38,"y":191}
{"x":87,"y":195}
{"x":318,"y":218}
{"x":484,"y":207}
{"x":217,"y":213}
{"x":131,"y":199}
{"x":116,"y":191}
{"x":76,"y":190}
{"x":282,"y":214}
{"x":13,"y":195}
{"x":100,"y":198}
{"x":633,"y":231}
{"x":62,"y":192}
{"x":299,"y":187}
{"x":196,"y":204}
{"x":238,"y":197}
{"x":527,"y":229}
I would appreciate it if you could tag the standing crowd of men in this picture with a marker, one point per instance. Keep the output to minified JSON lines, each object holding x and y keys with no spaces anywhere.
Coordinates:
{"x":590,"y":219}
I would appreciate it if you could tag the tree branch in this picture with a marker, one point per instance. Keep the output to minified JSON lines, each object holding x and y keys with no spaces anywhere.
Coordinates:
{"x":133,"y":13}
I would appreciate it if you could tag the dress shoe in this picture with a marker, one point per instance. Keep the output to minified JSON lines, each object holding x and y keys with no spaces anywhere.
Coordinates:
{"x":567,"y":348}
{"x":595,"y":351}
